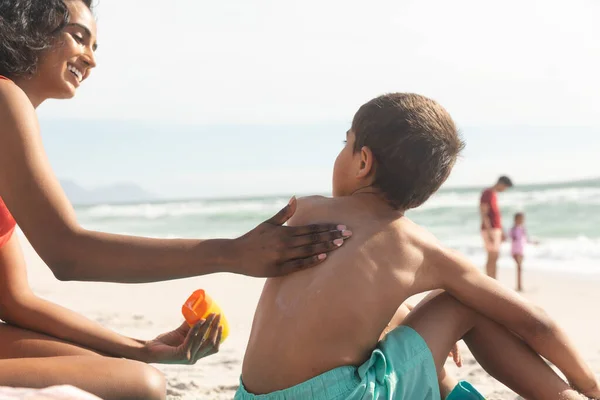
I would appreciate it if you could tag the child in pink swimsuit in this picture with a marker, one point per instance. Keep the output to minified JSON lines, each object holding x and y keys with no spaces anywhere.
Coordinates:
{"x":518,"y":236}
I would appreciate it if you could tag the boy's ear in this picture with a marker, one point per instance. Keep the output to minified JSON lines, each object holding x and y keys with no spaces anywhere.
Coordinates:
{"x":367,"y":163}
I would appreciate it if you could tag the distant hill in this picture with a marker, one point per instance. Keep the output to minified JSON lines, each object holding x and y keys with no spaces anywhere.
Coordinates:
{"x":116,"y":193}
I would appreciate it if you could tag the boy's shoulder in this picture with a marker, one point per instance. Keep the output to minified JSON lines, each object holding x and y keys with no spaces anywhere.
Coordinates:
{"x":315,"y":209}
{"x":311,"y":209}
{"x":314,"y":201}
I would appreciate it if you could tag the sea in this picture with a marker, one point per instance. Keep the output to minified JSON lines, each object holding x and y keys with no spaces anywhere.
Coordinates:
{"x":564,"y":218}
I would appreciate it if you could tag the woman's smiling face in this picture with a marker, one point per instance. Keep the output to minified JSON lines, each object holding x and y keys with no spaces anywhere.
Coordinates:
{"x":63,"y":68}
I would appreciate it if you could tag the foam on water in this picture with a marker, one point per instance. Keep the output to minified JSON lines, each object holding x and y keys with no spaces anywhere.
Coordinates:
{"x":566,"y":220}
{"x":518,"y":199}
{"x":179,"y":209}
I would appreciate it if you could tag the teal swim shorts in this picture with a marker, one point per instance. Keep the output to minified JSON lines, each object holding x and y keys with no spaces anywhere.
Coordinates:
{"x":401,"y":367}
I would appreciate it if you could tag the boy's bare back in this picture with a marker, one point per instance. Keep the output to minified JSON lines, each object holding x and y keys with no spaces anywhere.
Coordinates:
{"x":398,"y":152}
{"x":315,"y":320}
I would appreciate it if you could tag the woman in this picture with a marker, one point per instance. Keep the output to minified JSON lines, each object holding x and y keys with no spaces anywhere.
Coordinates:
{"x":47,"y":51}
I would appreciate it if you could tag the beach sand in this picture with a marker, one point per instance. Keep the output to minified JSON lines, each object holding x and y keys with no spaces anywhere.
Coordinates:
{"x":144,"y":311}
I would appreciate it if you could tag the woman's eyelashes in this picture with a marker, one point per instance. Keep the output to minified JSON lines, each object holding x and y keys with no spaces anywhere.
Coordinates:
{"x":78,"y":38}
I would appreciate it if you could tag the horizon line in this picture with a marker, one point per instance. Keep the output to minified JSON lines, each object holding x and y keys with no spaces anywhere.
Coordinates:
{"x":162,"y":199}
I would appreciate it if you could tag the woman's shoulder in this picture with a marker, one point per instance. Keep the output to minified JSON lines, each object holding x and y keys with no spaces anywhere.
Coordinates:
{"x":11,"y":91}
{"x":14,"y":105}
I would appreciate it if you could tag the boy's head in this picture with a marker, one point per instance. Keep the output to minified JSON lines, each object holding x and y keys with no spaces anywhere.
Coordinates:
{"x":403,"y":144}
{"x":503,"y":183}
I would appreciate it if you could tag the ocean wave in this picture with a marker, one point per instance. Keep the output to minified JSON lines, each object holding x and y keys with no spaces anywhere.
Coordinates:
{"x":566,"y":219}
{"x":516,"y":199}
{"x":578,"y":250}
{"x":442,"y":200}
{"x":180,"y":209}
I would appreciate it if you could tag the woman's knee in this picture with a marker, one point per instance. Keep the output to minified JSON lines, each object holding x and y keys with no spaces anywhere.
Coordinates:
{"x":150,"y":383}
{"x":155,"y":383}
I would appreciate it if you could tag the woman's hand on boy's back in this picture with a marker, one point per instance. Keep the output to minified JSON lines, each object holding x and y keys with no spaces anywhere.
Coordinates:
{"x":185,"y":345}
{"x":272,"y":249}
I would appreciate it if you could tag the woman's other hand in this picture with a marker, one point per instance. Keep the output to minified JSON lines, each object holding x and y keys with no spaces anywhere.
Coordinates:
{"x":185,"y":345}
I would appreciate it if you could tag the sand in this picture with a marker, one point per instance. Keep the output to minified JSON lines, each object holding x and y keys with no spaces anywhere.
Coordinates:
{"x":144,"y":311}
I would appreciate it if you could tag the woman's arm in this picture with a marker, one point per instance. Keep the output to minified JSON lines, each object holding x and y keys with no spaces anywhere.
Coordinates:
{"x":20,"y":307}
{"x":36,"y":200}
{"x":30,"y":312}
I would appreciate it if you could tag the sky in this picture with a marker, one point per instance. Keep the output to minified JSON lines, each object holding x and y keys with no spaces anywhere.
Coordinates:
{"x":198,"y":98}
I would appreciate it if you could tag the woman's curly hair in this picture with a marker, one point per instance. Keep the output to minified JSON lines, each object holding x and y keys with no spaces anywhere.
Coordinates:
{"x":28,"y":27}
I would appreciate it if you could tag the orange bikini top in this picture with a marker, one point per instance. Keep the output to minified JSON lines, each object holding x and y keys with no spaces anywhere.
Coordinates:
{"x":7,"y":222}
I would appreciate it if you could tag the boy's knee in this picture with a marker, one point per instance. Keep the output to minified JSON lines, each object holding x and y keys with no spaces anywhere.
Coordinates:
{"x":446,"y":298}
{"x":457,"y":308}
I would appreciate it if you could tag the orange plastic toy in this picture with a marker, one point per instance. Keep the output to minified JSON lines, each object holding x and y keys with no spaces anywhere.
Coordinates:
{"x":199,"y":306}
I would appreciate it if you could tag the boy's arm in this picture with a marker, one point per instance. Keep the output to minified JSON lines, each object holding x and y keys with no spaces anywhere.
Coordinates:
{"x":485,"y":295}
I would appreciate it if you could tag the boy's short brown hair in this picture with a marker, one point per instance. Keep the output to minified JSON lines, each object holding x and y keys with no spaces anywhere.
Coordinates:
{"x":415,"y":144}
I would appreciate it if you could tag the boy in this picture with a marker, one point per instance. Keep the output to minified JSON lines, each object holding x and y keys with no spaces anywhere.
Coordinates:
{"x":316,"y":332}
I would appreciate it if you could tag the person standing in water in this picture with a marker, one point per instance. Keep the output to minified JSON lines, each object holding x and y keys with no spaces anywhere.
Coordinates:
{"x":519,"y":238}
{"x":491,"y":223}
